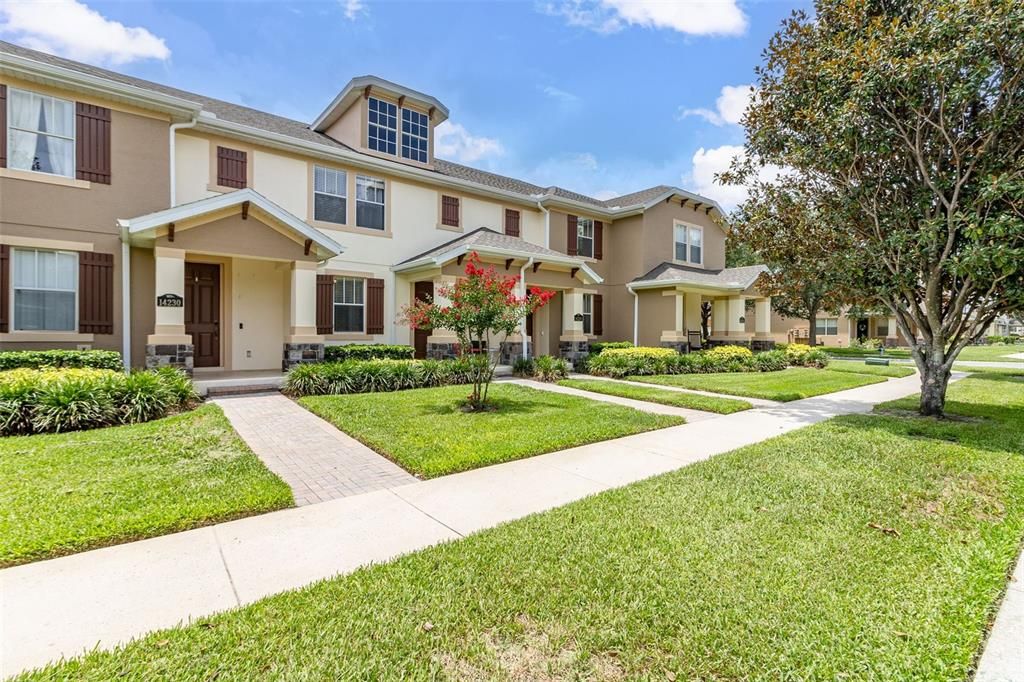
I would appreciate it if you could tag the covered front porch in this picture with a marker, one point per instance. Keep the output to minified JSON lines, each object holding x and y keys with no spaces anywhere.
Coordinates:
{"x":225,"y":284}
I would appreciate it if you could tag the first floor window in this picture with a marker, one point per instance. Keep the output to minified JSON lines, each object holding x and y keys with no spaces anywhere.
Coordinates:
{"x":588,"y":313}
{"x":689,"y":243}
{"x":882,"y":326}
{"x":585,"y":237}
{"x":329,"y":193}
{"x":348,"y":305}
{"x":41,"y":133}
{"x":369,"y":202}
{"x":45,"y":287}
{"x":826,"y":326}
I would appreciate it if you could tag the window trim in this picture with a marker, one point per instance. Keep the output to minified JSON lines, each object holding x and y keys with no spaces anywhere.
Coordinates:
{"x":592,"y":239}
{"x":396,"y":130}
{"x":441,"y":225}
{"x":14,"y":288}
{"x":676,"y":224}
{"x":400,"y":151}
{"x":335,"y":304}
{"x":824,"y":326}
{"x":73,"y":139}
{"x":384,"y":229}
{"x":312,"y":211}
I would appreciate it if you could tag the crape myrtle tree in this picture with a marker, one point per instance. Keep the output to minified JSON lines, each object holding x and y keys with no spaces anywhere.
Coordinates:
{"x":904,"y":122}
{"x":482,"y":305}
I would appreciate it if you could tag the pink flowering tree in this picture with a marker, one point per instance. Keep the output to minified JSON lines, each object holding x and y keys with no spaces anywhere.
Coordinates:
{"x":483,"y":305}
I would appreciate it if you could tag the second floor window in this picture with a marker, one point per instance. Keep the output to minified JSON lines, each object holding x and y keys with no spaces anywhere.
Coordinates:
{"x":329,"y":195}
{"x":369,"y":202}
{"x":349,"y":305}
{"x":383,"y":122}
{"x":45,"y":290}
{"x":826,"y":326}
{"x":449,"y":211}
{"x":585,"y":237}
{"x":415,"y":127}
{"x":41,"y":134}
{"x":689,"y":244}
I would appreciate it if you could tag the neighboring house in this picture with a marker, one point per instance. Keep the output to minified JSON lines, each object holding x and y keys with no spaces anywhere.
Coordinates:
{"x":1004,"y":325}
{"x":189,"y":231}
{"x":836,"y":330}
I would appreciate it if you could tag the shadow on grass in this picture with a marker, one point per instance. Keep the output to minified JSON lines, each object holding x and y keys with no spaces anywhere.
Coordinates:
{"x":495,"y":406}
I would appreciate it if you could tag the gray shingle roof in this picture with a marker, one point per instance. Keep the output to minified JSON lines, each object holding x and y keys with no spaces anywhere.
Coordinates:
{"x":299,"y":130}
{"x":484,"y":237}
{"x":733,"y":278}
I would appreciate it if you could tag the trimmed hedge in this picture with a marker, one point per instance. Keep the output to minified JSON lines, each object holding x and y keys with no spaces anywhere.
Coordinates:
{"x":1008,"y":340}
{"x":37,"y":359}
{"x":598,"y":347}
{"x":367,"y":351}
{"x":73,"y":399}
{"x":372,"y":376}
{"x":648,"y":361}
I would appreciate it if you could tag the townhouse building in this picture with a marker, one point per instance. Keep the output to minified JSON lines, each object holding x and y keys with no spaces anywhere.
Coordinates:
{"x":188,"y":231}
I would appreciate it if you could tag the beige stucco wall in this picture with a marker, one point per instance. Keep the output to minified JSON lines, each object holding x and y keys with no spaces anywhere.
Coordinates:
{"x":236,"y":236}
{"x":656,"y":315}
{"x":191,"y":168}
{"x":284,"y":178}
{"x":259,"y":303}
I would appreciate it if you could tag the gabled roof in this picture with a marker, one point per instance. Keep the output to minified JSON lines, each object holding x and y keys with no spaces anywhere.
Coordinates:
{"x":355,"y":88}
{"x":671,"y":274}
{"x":487,"y":242}
{"x":144,"y":224}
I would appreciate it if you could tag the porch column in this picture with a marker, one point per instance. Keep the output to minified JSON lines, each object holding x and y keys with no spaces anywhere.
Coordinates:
{"x":302,"y":344}
{"x":737,"y":308}
{"x":763,"y":317}
{"x":573,"y":343}
{"x":676,"y":337}
{"x":719,"y":317}
{"x":169,"y":345}
{"x":442,"y":343}
{"x":692,"y":312}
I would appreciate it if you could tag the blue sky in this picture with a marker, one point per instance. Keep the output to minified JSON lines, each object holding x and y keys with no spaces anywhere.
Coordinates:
{"x":603,"y":97}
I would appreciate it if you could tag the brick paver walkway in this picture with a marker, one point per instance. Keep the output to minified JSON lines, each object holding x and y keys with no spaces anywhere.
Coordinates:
{"x":318,"y":461}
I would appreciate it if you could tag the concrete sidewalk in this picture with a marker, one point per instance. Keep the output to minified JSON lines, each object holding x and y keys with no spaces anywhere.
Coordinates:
{"x":108,"y":596}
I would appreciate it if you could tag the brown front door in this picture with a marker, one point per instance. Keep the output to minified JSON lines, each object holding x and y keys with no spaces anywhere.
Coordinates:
{"x":202,"y":312}
{"x":424,"y":292}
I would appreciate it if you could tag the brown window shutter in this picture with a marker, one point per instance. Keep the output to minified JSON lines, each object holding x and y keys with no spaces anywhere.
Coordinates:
{"x":3,"y":126}
{"x":95,"y":292}
{"x":570,"y":237}
{"x":450,"y":211}
{"x":598,"y":313}
{"x":374,"y":306}
{"x":5,"y":288}
{"x":231,"y":168}
{"x":511,"y":222}
{"x":529,"y":324}
{"x":92,"y":143}
{"x":324,"y":304}
{"x":598,"y":239}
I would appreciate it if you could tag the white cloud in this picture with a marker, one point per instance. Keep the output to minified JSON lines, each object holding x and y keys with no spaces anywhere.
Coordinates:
{"x":729,"y":106}
{"x":353,"y":8}
{"x":694,"y":17}
{"x":452,"y":141}
{"x":71,"y":29}
{"x":708,"y":162}
{"x":560,"y":95}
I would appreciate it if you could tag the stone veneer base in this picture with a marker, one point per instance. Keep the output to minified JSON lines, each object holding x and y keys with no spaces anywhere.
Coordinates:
{"x":178,"y":355}
{"x":681,"y":347}
{"x":512,"y":351}
{"x":301,"y":353}
{"x":442,"y":351}
{"x":573,"y":351}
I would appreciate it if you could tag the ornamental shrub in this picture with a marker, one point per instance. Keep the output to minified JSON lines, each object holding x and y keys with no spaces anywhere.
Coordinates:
{"x":641,"y":351}
{"x":598,"y":347}
{"x":796,"y":352}
{"x":547,"y":368}
{"x":374,"y":376}
{"x":367,"y":351}
{"x":37,"y":359}
{"x":771,"y":361}
{"x":730,"y":353}
{"x":816,"y":358}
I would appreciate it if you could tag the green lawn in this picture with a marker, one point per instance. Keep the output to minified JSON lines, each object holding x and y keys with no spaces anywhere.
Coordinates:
{"x":64,"y":493}
{"x":865,"y":547}
{"x":790,"y":384}
{"x":426,"y":432}
{"x":858,"y":367}
{"x":990,"y":353}
{"x":693,"y":401}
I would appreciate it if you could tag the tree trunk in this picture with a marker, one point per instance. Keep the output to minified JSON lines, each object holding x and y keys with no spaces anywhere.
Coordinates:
{"x":935,"y":373}
{"x":812,"y":331}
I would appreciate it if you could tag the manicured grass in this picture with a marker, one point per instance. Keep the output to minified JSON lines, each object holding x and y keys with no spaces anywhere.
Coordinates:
{"x":67,"y":492}
{"x":858,"y":367}
{"x":868,"y":547}
{"x":991,"y":353}
{"x":790,"y":384}
{"x":426,"y":432}
{"x":691,"y":401}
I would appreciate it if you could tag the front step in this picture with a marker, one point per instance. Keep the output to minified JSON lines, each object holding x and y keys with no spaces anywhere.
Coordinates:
{"x":222,"y":391}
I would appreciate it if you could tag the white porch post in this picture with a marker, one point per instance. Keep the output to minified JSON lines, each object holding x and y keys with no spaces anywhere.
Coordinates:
{"x":763,"y":316}
{"x":719,"y":317}
{"x":302,"y":312}
{"x":692,"y":312}
{"x":677,"y":335}
{"x":442,"y":342}
{"x":169,"y":345}
{"x":572,"y":304}
{"x":737,"y":307}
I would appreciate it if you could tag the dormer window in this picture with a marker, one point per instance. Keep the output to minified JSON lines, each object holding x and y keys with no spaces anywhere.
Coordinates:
{"x":383,"y":124}
{"x":414,"y":135}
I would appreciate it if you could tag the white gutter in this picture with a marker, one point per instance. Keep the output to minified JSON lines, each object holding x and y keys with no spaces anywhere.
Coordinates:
{"x":636,"y":315}
{"x":175,"y":127}
{"x":126,"y":303}
{"x":547,"y":225}
{"x":522,"y":285}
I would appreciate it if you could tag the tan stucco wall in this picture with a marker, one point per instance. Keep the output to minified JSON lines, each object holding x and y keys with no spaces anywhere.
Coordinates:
{"x":656,"y":315}
{"x":259,"y":303}
{"x":658,"y":244}
{"x":288,"y":177}
{"x":237,"y":237}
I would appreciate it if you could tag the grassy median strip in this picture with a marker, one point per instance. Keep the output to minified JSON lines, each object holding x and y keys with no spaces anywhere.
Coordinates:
{"x":426,"y":432}
{"x":790,"y":384}
{"x":865,"y":547}
{"x":895,"y":371}
{"x":692,"y":401}
{"x":67,"y":492}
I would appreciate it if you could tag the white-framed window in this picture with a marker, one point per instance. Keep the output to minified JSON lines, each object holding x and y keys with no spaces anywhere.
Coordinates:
{"x":329,"y":195}
{"x":45,"y":290}
{"x":369,"y":202}
{"x":882,"y":326}
{"x":689,"y":243}
{"x":40,"y":133}
{"x":349,"y":305}
{"x":826,"y":326}
{"x":585,"y":237}
{"x":383,"y":122}
{"x":415,"y":132}
{"x":588,"y":313}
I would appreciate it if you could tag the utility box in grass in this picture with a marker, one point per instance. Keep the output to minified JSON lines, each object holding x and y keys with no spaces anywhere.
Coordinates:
{"x":877,"y":361}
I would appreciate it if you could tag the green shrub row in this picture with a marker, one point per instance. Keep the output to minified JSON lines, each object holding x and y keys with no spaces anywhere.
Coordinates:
{"x":1009,"y":340}
{"x":73,"y":399}
{"x":544,"y":368}
{"x":713,"y":361}
{"x":598,"y":347}
{"x":36,"y":359}
{"x":370,"y":376}
{"x":367,"y":351}
{"x":802,"y":355}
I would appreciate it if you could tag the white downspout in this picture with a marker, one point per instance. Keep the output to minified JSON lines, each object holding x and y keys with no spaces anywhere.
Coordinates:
{"x":175,"y":127}
{"x":636,"y":316}
{"x":522,"y":285}
{"x":547,"y":225}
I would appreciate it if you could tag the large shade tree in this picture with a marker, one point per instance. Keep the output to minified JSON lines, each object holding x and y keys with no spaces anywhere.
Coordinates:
{"x":904,"y":121}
